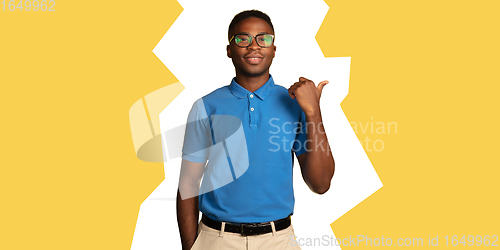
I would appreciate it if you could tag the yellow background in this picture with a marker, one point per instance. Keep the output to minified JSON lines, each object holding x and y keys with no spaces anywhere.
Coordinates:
{"x":69,"y":177}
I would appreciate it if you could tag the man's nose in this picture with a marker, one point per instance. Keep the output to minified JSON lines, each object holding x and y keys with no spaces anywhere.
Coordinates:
{"x":253,"y":45}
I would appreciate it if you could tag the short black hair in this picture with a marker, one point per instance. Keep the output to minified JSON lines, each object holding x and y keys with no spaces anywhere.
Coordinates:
{"x":247,"y":14}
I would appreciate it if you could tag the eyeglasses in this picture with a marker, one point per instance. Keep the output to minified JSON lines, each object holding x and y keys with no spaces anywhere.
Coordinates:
{"x":244,"y":40}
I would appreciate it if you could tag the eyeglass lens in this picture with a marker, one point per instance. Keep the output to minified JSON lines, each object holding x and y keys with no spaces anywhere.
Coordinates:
{"x":263,"y":40}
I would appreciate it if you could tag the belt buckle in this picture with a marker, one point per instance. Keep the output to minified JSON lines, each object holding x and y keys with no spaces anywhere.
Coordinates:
{"x":250,"y":232}
{"x":242,"y":230}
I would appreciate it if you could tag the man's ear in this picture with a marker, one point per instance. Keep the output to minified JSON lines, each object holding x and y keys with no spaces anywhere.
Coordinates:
{"x":274,"y":52}
{"x":228,"y":51}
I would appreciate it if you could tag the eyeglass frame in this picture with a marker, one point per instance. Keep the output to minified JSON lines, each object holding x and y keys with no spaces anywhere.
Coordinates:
{"x":253,"y":37}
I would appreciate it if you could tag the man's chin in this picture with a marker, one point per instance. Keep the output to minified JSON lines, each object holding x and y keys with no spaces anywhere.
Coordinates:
{"x":255,"y":73}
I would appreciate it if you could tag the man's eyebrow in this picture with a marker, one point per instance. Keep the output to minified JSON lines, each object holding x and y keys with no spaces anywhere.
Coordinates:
{"x":246,"y":33}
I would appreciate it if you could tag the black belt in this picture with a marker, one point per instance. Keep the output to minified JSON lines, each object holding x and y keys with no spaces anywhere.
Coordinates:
{"x":247,"y":229}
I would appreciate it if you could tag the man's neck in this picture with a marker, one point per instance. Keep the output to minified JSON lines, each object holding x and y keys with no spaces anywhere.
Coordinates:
{"x":252,"y":83}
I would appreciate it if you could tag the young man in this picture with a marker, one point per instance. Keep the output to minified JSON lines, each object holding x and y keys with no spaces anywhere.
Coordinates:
{"x":253,"y":210}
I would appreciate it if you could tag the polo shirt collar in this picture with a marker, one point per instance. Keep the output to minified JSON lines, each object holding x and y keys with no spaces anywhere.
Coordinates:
{"x":262,"y":93}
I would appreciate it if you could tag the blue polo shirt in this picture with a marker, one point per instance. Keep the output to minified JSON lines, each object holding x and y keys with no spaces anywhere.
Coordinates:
{"x":249,"y":140}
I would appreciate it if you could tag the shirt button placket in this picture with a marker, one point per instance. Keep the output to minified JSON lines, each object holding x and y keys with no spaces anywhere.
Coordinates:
{"x":251,"y":104}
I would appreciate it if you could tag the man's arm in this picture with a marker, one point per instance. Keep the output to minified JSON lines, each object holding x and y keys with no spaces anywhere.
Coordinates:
{"x":187,"y":201}
{"x":317,"y":164}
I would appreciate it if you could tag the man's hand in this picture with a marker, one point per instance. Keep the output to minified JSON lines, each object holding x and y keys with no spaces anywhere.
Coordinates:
{"x":307,"y":95}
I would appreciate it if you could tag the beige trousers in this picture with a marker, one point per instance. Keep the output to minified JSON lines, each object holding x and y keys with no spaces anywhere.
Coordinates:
{"x":209,"y":238}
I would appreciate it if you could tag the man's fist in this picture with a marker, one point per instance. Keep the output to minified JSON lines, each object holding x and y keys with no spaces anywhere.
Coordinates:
{"x":307,"y":94}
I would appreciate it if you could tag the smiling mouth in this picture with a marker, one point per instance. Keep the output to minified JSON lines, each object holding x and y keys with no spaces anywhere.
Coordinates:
{"x":253,"y":60}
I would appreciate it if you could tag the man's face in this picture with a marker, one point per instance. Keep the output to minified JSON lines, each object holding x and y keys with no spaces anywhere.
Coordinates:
{"x":252,"y":60}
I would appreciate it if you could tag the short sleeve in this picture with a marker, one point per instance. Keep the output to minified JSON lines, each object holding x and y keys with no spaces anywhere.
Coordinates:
{"x":299,"y":144}
{"x":198,"y":138}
